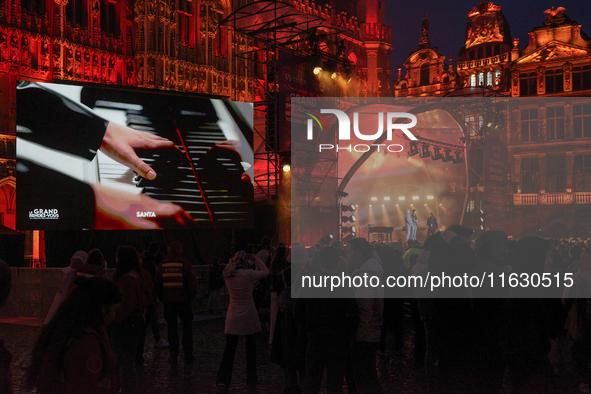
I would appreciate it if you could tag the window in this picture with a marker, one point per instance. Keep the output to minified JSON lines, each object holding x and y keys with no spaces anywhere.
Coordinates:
{"x":76,"y":13}
{"x":581,"y":78}
{"x":582,"y":173}
{"x":33,"y":7}
{"x":497,"y":49}
{"x":556,"y":174}
{"x":472,"y":55}
{"x":530,"y":175}
{"x":529,"y":125}
{"x":185,"y":12}
{"x":110,"y":18}
{"x":424,"y":75}
{"x":489,"y":78}
{"x":480,"y":53}
{"x":446,"y":79}
{"x":582,"y":120}
{"x":555,"y":123}
{"x":473,"y":124}
{"x":480,"y":79}
{"x":488,"y":51}
{"x":473,"y":80}
{"x":497,"y":77}
{"x":554,"y":81}
{"x":527,"y":85}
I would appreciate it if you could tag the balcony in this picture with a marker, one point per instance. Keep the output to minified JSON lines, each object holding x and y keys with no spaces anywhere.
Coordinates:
{"x":496,"y":59}
{"x":552,"y":198}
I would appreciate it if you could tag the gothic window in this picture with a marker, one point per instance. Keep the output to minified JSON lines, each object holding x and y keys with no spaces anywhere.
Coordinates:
{"x":76,"y":13}
{"x":554,"y":81}
{"x":582,"y":121}
{"x":529,"y":125}
{"x":582,"y":78}
{"x":424,"y":75}
{"x":488,"y":51}
{"x":497,"y":77}
{"x":555,"y":123}
{"x":446,"y":79}
{"x":582,"y":173}
{"x":473,"y":80}
{"x":556,"y":173}
{"x":110,"y":18}
{"x":497,"y":50}
{"x":530,"y":175}
{"x":480,"y":79}
{"x":221,"y":43}
{"x":32,"y":7}
{"x":480,"y":53}
{"x":528,"y":85}
{"x":489,"y":78}
{"x":472,"y":55}
{"x":185,"y":25}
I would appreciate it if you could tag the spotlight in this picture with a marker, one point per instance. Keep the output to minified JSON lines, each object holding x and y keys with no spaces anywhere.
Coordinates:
{"x":401,"y":198}
{"x":317,"y":70}
{"x":425,"y":205}
{"x":448,"y":156}
{"x":333,"y":75}
{"x":348,"y":208}
{"x":441,"y":204}
{"x":426,"y":152}
{"x":342,"y":194}
{"x":458,"y":158}
{"x":383,"y":205}
{"x":374,"y":199}
{"x":415,"y":197}
{"x":437,"y":155}
{"x":412,"y":205}
{"x":316,"y":64}
{"x":349,"y":230}
{"x":370,"y":205}
{"x":429,"y":197}
{"x":325,"y":240}
{"x":286,"y":168}
{"x":348,"y":219}
{"x":414,"y":148}
{"x":386,"y":198}
{"x":396,"y":204}
{"x":331,"y":67}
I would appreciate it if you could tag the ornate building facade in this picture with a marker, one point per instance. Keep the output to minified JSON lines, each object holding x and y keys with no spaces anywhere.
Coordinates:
{"x":548,"y":143}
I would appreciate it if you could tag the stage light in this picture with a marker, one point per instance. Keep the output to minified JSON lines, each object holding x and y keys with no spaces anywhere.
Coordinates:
{"x":415,"y":197}
{"x":374,"y":199}
{"x":348,"y":208}
{"x":412,"y":205}
{"x":386,"y":198}
{"x":342,"y":194}
{"x":348,"y":219}
{"x":331,"y":67}
{"x":429,"y":197}
{"x":316,"y":64}
{"x":325,"y":240}
{"x":317,"y":70}
{"x":333,"y":75}
{"x":370,"y":205}
{"x":441,"y":204}
{"x":458,"y":158}
{"x":349,"y":230}
{"x":424,"y":205}
{"x":401,"y":198}
{"x":383,"y":205}
{"x":414,"y":148}
{"x":397,"y":204}
{"x":353,"y":218}
{"x":437,"y":155}
{"x":426,"y":152}
{"x":448,"y":156}
{"x":286,"y":168}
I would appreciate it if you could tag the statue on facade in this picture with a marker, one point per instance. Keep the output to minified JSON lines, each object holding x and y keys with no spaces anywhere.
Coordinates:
{"x":425,"y":31}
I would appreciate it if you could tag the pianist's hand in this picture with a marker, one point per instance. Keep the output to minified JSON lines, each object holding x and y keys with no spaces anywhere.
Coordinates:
{"x":116,"y":209}
{"x":120,"y":142}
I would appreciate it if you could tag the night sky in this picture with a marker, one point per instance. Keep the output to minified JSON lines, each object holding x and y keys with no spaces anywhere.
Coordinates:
{"x":447,"y":22}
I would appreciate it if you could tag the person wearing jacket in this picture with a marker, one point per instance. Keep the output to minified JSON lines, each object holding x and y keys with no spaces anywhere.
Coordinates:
{"x":407,"y":224}
{"x":176,"y":286}
{"x":370,"y":301}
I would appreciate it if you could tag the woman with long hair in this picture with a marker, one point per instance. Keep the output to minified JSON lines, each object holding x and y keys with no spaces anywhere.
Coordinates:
{"x":129,"y":315}
{"x":73,"y":353}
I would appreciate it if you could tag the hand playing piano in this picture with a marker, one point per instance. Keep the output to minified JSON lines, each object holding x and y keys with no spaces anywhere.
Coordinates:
{"x":120,"y":143}
{"x":122,"y":210}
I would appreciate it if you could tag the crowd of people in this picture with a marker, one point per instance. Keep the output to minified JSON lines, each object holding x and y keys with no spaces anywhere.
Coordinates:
{"x":93,"y":337}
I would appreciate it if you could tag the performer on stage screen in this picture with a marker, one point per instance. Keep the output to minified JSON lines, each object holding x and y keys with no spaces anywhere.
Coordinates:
{"x":431,"y":225}
{"x":408,"y":224}
{"x":415,"y":222}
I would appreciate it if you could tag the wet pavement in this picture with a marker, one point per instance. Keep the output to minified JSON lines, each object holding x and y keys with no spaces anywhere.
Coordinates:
{"x":398,"y":374}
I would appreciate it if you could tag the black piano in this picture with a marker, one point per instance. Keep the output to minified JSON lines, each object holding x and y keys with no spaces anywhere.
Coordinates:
{"x":381,"y":231}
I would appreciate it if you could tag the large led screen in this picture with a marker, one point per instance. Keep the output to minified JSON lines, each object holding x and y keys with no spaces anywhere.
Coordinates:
{"x":93,"y":157}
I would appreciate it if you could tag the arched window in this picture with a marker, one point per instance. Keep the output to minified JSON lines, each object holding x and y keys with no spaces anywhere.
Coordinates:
{"x":527,"y":84}
{"x":425,"y":77}
{"x":110,"y":17}
{"x":480,"y":79}
{"x":497,"y":77}
{"x":473,"y":80}
{"x":403,"y":85}
{"x":480,"y":53}
{"x":76,"y":13}
{"x":186,"y":25}
{"x":488,"y":51}
{"x":489,"y":78}
{"x":446,"y":78}
{"x":554,"y":81}
{"x":497,"y":50}
{"x":581,"y":78}
{"x":472,"y":55}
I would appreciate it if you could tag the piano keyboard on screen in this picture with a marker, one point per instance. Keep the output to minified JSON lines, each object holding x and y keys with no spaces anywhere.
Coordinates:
{"x":203,"y":176}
